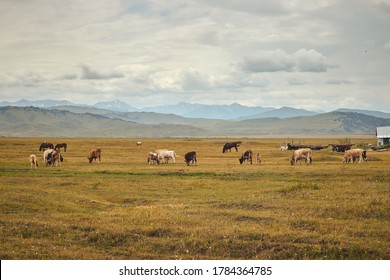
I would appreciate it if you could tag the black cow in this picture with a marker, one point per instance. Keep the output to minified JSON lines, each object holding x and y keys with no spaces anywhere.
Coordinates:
{"x":61,"y":145}
{"x":293,"y":147}
{"x":229,"y":146}
{"x":190,"y":157}
{"x":341,"y":148}
{"x":45,"y":145}
{"x":247,"y":156}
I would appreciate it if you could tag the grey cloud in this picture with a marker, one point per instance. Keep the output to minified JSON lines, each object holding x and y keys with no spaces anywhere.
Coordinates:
{"x":90,"y":74}
{"x":191,"y":79}
{"x":68,"y":77}
{"x":24,"y":78}
{"x":265,"y":7}
{"x":387,"y":46}
{"x":339,"y":82}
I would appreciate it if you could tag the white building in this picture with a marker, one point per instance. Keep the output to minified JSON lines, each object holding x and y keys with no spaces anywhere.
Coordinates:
{"x":383,"y":135}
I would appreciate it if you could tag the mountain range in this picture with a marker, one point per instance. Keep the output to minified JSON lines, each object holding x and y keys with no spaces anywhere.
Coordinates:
{"x":65,"y":119}
{"x":223,"y":112}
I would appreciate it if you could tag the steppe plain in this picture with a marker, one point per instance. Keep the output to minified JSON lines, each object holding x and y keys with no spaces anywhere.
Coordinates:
{"x":124,"y":208}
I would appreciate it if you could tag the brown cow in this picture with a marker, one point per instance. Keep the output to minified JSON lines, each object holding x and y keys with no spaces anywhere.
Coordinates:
{"x":54,"y":158}
{"x":153,"y":158}
{"x":355,"y":155}
{"x":300,"y":155}
{"x":247,"y":156}
{"x":95,"y":155}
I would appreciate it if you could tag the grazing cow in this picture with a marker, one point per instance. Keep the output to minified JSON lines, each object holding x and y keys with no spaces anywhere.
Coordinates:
{"x":47,"y":155}
{"x":190,"y":157}
{"x":45,"y":145}
{"x":300,"y":155}
{"x":61,"y":145}
{"x":229,"y":146}
{"x":165,"y":155}
{"x":247,"y":156}
{"x":54,"y":159}
{"x":95,"y":155}
{"x":139,"y":143}
{"x":33,"y":161}
{"x":355,"y":155}
{"x":153,"y":158}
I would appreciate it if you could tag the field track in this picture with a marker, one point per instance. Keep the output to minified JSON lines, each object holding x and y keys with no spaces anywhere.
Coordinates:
{"x":124,"y":208}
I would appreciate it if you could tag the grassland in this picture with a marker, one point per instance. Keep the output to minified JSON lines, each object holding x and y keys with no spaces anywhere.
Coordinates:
{"x":123,"y":208}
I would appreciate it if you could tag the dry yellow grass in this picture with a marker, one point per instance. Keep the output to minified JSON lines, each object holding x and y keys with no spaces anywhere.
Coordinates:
{"x":123,"y":208}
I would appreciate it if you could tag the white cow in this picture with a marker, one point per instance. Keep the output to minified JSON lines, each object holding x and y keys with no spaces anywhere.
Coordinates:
{"x":300,"y":155}
{"x":46,"y":154}
{"x":34,"y":161}
{"x":165,"y":155}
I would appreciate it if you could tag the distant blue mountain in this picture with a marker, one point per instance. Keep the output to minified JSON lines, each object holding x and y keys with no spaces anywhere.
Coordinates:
{"x":115,"y":105}
{"x":37,"y":103}
{"x":234,"y":111}
{"x":226,"y":112}
{"x":283,"y":113}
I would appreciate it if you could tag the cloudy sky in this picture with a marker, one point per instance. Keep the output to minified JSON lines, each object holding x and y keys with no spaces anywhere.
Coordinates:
{"x":316,"y":55}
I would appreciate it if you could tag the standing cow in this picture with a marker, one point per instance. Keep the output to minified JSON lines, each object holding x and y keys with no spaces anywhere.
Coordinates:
{"x":33,"y":161}
{"x":190,"y":157}
{"x":165,"y":155}
{"x":301,"y":154}
{"x":45,"y":145}
{"x":355,"y":155}
{"x":247,"y":156}
{"x":229,"y":146}
{"x":152,"y":158}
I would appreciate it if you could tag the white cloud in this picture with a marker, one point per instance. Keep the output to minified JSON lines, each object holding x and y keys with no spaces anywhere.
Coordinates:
{"x":268,"y":61}
{"x":184,"y":50}
{"x":278,"y":60}
{"x":387,"y":46}
{"x":311,"y":61}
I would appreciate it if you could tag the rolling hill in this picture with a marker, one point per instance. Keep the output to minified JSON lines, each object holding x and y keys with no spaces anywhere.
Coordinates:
{"x":70,"y":121}
{"x":327,"y":123}
{"x":37,"y":122}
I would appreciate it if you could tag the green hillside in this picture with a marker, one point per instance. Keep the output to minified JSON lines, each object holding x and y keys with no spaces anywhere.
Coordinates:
{"x":90,"y":122}
{"x":34,"y":122}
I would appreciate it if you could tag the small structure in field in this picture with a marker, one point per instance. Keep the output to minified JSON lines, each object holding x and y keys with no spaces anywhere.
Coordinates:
{"x":383,"y":135}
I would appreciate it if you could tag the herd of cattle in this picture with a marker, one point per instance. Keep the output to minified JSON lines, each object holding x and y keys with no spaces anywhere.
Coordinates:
{"x":52,"y":154}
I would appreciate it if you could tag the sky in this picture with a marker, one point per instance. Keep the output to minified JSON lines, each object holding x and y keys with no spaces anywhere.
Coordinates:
{"x":314,"y":55}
